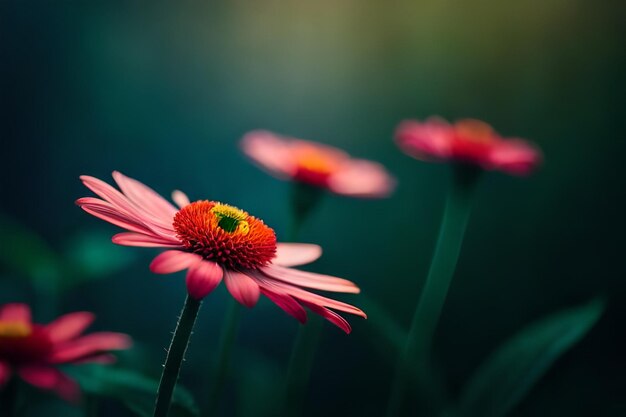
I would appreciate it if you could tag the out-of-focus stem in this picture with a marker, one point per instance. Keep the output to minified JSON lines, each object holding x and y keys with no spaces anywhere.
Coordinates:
{"x":416,"y":356}
{"x":227,"y":340}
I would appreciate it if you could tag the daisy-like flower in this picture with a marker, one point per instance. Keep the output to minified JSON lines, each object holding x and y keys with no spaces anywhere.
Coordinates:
{"x":318,"y":165}
{"x":32,"y":351}
{"x":215,"y":241}
{"x":467,"y":141}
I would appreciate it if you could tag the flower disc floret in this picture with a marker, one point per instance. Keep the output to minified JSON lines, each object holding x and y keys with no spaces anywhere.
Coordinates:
{"x":225,"y":234}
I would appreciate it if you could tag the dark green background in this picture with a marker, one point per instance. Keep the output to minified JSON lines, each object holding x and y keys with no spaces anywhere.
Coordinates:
{"x":164,"y":92}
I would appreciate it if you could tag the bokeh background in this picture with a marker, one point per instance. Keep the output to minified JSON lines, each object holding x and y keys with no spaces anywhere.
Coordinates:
{"x":163,"y":92}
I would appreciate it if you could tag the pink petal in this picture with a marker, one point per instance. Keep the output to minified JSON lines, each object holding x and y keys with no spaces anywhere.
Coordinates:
{"x":243,"y":288}
{"x":161,"y":224}
{"x":69,"y":326}
{"x":303,"y":295}
{"x":110,"y":194}
{"x":88,"y":346}
{"x":288,"y":304}
{"x":331,"y":316}
{"x":310,"y":279}
{"x":145,"y":197}
{"x":100,"y":358}
{"x":292,"y":254}
{"x":51,"y":379}
{"x":173,"y":261}
{"x":515,"y":156}
{"x":202,"y":278}
{"x":5,"y":373}
{"x":16,"y":312}
{"x":360,"y":178}
{"x":143,"y":240}
{"x":105,"y":211}
{"x":269,"y":152}
{"x":429,"y":140}
{"x":180,"y":198}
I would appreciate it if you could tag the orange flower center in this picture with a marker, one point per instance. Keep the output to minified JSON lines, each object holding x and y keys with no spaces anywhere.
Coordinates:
{"x":225,"y":234}
{"x":14,"y":330}
{"x":474,"y":131}
{"x":312,"y":160}
{"x":314,"y":166}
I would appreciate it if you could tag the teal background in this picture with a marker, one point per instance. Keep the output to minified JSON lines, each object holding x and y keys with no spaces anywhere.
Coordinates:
{"x":164,"y":92}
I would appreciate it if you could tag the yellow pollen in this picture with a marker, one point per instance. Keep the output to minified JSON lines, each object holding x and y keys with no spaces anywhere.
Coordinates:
{"x":231,"y":219}
{"x":14,"y":329}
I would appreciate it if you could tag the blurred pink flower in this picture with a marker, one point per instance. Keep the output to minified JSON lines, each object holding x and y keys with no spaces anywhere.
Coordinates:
{"x":468,"y":141}
{"x":317,"y":164}
{"x":212,"y":241}
{"x":33,"y":351}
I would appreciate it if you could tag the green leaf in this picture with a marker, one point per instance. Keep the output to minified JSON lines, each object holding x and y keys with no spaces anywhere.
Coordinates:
{"x":135,"y":391}
{"x":28,"y":254}
{"x":91,"y":255}
{"x":503,"y":380}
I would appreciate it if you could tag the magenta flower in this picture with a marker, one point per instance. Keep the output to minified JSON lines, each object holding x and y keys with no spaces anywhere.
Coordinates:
{"x":215,"y":241}
{"x":318,"y":165}
{"x":33,"y":351}
{"x":467,"y":141}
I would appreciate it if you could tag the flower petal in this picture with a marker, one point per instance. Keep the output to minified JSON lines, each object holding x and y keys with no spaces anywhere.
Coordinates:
{"x":143,"y":240}
{"x":330,"y":315}
{"x":303,"y":295}
{"x":180,"y":198}
{"x":292,"y":254}
{"x":173,"y":261}
{"x":243,"y":288}
{"x":287,"y":303}
{"x":269,"y":152}
{"x":107,"y":212}
{"x":360,"y":178}
{"x":89,"y":346}
{"x":427,"y":141}
{"x":145,"y":197}
{"x":5,"y":373}
{"x":515,"y":156}
{"x":15,"y":312}
{"x":310,"y":279}
{"x":202,"y":278}
{"x":69,"y":326}
{"x":51,"y":379}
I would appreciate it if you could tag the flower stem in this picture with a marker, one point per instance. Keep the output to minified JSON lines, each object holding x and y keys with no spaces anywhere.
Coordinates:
{"x":301,"y":363}
{"x":416,"y":354}
{"x":304,"y":199}
{"x":227,"y":340}
{"x":175,"y":356}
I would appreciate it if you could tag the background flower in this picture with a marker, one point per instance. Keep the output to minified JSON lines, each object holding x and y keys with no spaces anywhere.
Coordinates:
{"x":317,"y":164}
{"x":467,"y":141}
{"x":33,"y":351}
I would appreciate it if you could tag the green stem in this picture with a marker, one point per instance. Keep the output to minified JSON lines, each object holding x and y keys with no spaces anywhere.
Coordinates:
{"x":416,"y":356}
{"x":304,"y":199}
{"x":301,"y":363}
{"x":227,"y":340}
{"x":175,"y":356}
{"x":9,"y":398}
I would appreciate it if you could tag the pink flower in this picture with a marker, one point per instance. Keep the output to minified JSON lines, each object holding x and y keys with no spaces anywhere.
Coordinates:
{"x":33,"y":351}
{"x":215,"y":241}
{"x":468,"y":141}
{"x":317,"y":164}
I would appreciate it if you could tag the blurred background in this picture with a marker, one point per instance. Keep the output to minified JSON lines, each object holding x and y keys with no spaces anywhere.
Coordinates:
{"x":164,"y":92}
